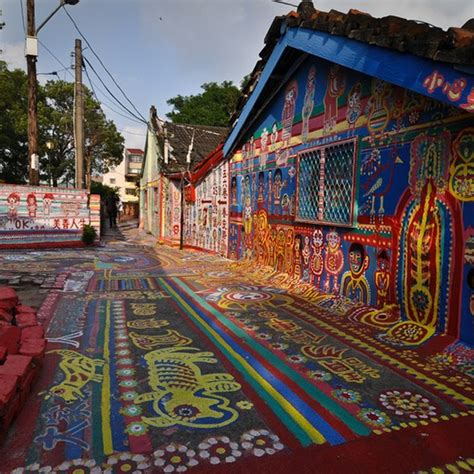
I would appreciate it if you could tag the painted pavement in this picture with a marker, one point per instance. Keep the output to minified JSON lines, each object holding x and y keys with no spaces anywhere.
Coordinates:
{"x":167,"y":361}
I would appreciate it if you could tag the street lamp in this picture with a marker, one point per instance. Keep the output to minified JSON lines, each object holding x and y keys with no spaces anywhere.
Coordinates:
{"x":31,"y":58}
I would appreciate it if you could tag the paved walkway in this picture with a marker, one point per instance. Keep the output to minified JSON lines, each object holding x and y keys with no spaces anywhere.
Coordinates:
{"x":166,"y":361}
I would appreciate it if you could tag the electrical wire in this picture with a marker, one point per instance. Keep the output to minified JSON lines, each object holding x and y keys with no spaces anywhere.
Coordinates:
{"x":23,"y":17}
{"x":94,"y":87}
{"x":111,"y":93}
{"x":67,"y":69}
{"x":102,"y":64}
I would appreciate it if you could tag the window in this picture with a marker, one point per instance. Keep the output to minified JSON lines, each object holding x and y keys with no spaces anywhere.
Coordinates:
{"x":135,"y":158}
{"x":112,"y":180}
{"x":131,"y":192}
{"x":325,"y":187}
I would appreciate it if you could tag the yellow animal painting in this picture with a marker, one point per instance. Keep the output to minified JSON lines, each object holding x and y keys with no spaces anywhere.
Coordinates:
{"x":78,"y":370}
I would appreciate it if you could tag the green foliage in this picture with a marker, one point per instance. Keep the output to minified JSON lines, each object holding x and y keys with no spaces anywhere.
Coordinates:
{"x":104,"y":190}
{"x":13,"y":125}
{"x":213,"y":107}
{"x":88,"y":234}
{"x":103,"y":145}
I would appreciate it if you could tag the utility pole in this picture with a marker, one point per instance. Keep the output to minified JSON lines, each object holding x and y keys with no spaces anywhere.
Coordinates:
{"x":31,"y":55}
{"x":79,"y":116}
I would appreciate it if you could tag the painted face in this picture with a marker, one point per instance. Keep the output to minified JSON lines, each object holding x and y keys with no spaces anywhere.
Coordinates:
{"x":355,"y":260}
{"x":306,"y":240}
{"x":317,"y":238}
{"x":333,"y":240}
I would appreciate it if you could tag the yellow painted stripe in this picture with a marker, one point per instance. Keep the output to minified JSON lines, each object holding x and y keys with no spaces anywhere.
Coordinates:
{"x":105,"y":405}
{"x":307,"y":427}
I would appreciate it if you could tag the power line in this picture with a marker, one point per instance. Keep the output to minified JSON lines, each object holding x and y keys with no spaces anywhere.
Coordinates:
{"x":102,"y":64}
{"x":111,"y":93}
{"x":93,"y":88}
{"x":67,"y":69}
{"x":23,"y":17}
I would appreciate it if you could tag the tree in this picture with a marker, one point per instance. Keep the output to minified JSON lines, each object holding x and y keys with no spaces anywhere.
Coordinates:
{"x":13,"y":125}
{"x":103,"y":144}
{"x":213,"y":107}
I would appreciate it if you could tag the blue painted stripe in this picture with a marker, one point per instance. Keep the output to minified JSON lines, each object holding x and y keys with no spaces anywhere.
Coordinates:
{"x":331,"y":435}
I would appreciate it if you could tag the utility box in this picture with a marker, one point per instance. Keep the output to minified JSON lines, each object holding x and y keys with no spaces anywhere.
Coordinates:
{"x":31,"y":46}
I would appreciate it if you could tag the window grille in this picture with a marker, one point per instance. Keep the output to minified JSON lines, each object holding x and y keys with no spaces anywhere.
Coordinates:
{"x":325,"y":190}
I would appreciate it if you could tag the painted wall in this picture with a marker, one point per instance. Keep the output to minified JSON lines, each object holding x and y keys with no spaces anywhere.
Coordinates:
{"x":206,"y":221}
{"x":171,"y":211}
{"x":410,"y":245}
{"x":45,"y":216}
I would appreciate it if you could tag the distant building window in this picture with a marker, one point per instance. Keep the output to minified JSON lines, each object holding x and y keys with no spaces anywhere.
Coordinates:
{"x":325,"y":189}
{"x":131,"y":192}
{"x":112,"y":180}
{"x":131,"y":179}
{"x":135,"y":158}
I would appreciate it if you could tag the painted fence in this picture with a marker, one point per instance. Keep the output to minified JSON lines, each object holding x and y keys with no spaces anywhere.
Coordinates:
{"x":44,"y":216}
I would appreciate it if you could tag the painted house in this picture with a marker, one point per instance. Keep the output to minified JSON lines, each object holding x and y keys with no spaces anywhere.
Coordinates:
{"x":171,"y":152}
{"x":206,"y":211}
{"x":352,"y":168}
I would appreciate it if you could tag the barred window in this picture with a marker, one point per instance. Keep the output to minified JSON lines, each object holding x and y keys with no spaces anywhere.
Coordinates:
{"x":325,"y":186}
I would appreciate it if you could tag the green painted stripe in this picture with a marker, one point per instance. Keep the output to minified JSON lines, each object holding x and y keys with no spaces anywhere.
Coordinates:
{"x":353,"y":423}
{"x":293,"y":427}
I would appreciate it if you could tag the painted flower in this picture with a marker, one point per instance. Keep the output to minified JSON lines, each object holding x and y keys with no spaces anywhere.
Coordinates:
{"x":125,"y":372}
{"x":128,"y":396}
{"x":125,"y":361}
{"x":267,"y":314}
{"x":32,"y":468}
{"x":175,"y":458}
{"x":346,"y":395}
{"x":420,"y":300}
{"x":131,"y":410}
{"x":128,"y":383}
{"x":123,"y":352}
{"x":296,"y":359}
{"x":252,"y":327}
{"x":320,"y":375}
{"x":219,"y":449}
{"x":441,"y":361}
{"x":264,"y":336}
{"x":260,"y":442}
{"x":186,"y":411}
{"x":121,"y":344}
{"x":374,"y":417}
{"x":121,"y":337}
{"x":412,"y":405}
{"x":126,"y":462}
{"x":79,"y":466}
{"x":280,"y":346}
{"x":136,"y":428}
{"x":245,"y":405}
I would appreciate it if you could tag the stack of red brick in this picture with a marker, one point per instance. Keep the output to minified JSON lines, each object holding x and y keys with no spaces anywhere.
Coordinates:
{"x":22,"y":348}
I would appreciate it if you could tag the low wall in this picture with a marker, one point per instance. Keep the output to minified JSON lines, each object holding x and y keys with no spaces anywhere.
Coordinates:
{"x":40,"y":216}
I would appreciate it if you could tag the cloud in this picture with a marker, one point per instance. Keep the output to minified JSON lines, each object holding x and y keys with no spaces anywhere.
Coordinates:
{"x":14,"y":55}
{"x":134,"y":136}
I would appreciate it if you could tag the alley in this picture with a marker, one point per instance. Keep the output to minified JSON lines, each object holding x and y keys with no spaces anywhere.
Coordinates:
{"x":161,"y":360}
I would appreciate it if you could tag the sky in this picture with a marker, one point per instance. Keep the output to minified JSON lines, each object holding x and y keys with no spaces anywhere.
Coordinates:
{"x":157,"y":49}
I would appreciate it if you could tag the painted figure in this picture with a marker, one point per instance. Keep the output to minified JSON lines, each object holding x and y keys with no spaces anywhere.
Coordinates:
{"x":353,"y":107}
{"x":264,"y":148}
{"x":261,"y":188}
{"x":274,"y":136}
{"x":335,"y":89}
{"x":306,"y":255}
{"x":308,"y":103}
{"x":47,"y":200}
{"x":297,"y":272}
{"x":317,"y":262}
{"x":31,"y":204}
{"x":278,"y":185}
{"x":233,"y":191}
{"x":247,"y":217}
{"x":288,"y":112}
{"x":378,"y":114}
{"x":382,"y":279}
{"x":354,"y":284}
{"x":333,"y":261}
{"x":13,"y":200}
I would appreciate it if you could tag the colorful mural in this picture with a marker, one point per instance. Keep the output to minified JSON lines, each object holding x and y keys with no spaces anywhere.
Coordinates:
{"x":206,"y":219}
{"x":45,"y":216}
{"x":387,"y":233}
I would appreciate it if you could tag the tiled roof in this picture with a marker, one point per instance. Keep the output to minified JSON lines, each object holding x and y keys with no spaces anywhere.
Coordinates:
{"x":204,"y":141}
{"x":134,"y":151}
{"x":454,"y":46}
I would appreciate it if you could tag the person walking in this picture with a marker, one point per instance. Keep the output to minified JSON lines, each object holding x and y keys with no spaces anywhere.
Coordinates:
{"x":112,"y":210}
{"x":120,"y":209}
